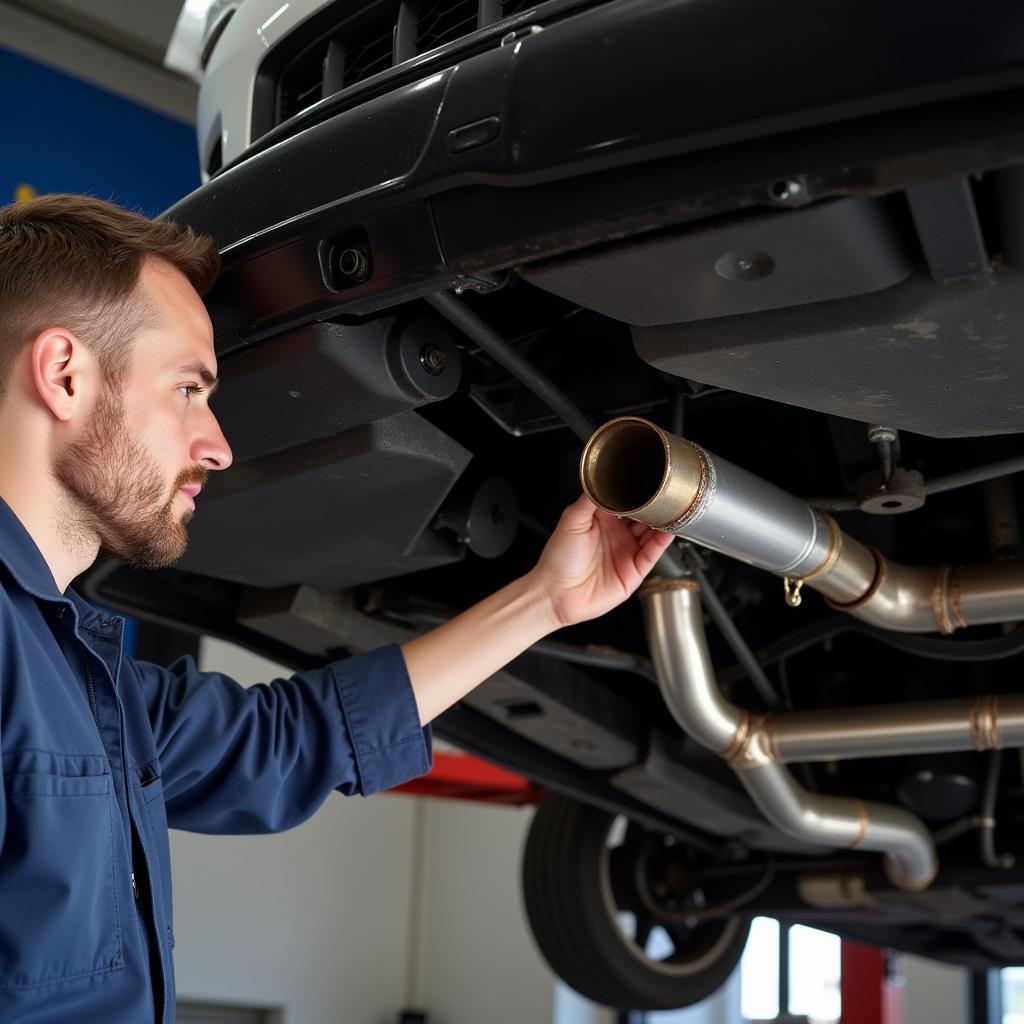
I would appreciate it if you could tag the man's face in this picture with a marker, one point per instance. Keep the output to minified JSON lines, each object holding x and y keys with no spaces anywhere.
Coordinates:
{"x":151,"y":434}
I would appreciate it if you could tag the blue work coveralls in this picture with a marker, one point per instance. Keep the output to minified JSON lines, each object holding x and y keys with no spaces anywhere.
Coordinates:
{"x":100,"y":753}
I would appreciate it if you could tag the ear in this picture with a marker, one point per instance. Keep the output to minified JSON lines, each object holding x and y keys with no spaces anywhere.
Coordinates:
{"x":63,"y":371}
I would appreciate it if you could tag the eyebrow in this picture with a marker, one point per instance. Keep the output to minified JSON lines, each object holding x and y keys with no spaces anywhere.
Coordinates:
{"x":209,"y":380}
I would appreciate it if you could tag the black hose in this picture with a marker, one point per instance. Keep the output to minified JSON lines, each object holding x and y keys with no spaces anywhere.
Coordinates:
{"x":987,"y":825}
{"x":461,"y":317}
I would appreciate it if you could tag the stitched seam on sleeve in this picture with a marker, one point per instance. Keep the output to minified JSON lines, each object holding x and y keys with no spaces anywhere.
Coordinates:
{"x":340,"y":690}
{"x":393,"y":746}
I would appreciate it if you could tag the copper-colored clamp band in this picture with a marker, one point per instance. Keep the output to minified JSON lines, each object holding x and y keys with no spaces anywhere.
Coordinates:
{"x":939,"y":601}
{"x":956,"y":598}
{"x":739,"y":739}
{"x":742,"y":746}
{"x":698,"y":498}
{"x":984,"y":723}
{"x":862,"y":824}
{"x":835,"y":547}
{"x":662,"y":585}
{"x":876,"y":583}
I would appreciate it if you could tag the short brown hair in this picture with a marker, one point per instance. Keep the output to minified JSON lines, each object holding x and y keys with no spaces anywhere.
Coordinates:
{"x":74,"y":261}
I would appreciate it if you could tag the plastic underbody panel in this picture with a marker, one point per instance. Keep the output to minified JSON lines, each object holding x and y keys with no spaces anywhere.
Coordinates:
{"x":741,"y":224}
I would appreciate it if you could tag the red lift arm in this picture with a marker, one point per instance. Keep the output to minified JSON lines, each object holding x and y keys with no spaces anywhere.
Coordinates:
{"x":462,"y":777}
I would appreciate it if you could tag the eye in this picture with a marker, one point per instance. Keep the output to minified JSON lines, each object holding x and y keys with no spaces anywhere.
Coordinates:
{"x":188,"y":390}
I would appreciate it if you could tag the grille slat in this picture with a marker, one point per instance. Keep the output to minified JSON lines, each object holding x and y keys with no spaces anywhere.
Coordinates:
{"x":368,"y":53}
{"x":303,"y":86}
{"x":441,"y":21}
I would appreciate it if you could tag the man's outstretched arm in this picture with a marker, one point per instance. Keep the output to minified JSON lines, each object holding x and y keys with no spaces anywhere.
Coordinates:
{"x":591,"y":563}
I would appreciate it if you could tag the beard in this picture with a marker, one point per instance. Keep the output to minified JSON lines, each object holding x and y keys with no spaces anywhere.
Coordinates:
{"x":118,"y":492}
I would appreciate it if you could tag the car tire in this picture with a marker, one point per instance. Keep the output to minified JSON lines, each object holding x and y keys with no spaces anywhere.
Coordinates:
{"x":577,"y":925}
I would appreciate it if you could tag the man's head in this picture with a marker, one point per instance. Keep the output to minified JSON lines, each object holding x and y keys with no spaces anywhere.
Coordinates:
{"x":107,"y":348}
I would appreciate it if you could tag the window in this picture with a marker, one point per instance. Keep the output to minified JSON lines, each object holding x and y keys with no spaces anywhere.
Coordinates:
{"x":791,"y":970}
{"x":1013,"y":995}
{"x":759,"y":971}
{"x":814,"y":959}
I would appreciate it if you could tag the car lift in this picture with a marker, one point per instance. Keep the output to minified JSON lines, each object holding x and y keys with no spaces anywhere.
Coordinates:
{"x":870,"y":986}
{"x":463,"y":777}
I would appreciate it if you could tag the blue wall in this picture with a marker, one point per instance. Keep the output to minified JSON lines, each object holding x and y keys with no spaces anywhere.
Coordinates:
{"x":60,"y":134}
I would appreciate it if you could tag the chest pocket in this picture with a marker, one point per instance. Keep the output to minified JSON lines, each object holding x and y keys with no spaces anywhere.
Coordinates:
{"x":59,"y":918}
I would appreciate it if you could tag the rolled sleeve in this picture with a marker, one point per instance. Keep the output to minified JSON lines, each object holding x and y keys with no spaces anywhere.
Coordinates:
{"x":377,"y":700}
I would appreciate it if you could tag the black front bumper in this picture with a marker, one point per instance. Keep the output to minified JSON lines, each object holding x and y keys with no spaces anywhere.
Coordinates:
{"x":615,"y":119}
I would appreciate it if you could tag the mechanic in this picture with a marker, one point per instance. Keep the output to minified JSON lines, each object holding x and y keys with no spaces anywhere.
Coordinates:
{"x":106,"y":370}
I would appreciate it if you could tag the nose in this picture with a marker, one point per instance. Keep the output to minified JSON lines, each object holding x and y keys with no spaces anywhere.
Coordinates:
{"x":209,"y":446}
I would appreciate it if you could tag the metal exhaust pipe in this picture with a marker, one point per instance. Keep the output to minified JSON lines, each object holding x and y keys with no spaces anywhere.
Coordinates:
{"x":634,"y":469}
{"x":675,"y":634}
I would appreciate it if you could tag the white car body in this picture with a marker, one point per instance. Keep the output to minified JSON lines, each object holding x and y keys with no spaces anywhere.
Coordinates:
{"x":226,"y":93}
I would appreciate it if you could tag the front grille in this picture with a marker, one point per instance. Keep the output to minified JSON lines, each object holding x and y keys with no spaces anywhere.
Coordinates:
{"x":441,"y":21}
{"x":338,"y":52}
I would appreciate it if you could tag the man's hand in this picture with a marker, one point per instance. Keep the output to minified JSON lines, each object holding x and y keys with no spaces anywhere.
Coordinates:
{"x":591,"y":563}
{"x":594,"y":561}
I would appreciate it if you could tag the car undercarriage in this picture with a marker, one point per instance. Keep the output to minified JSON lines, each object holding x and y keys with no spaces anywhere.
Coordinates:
{"x":795,"y":241}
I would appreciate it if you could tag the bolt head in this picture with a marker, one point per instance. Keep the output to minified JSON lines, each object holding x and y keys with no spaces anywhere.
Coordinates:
{"x":433,"y":359}
{"x":877,"y":432}
{"x":786,"y":190}
{"x":353,"y":263}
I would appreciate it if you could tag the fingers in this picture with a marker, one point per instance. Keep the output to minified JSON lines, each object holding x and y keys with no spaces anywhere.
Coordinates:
{"x":579,"y":516}
{"x":640,"y":532}
{"x":650,"y":544}
{"x":651,"y":549}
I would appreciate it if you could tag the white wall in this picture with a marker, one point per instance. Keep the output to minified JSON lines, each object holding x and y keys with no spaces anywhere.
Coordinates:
{"x":935,"y":993}
{"x":479,"y":962}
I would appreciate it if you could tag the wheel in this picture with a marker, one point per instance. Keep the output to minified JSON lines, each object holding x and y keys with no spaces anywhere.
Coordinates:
{"x":615,"y":910}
